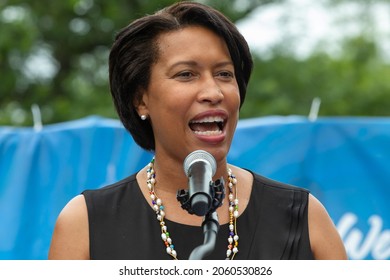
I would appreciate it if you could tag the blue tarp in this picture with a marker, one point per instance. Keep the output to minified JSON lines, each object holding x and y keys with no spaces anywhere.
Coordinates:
{"x":345,"y":162}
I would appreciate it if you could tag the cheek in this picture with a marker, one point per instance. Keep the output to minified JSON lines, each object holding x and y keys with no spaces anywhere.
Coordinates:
{"x":169,"y":111}
{"x":238,"y":101}
{"x":235,"y":107}
{"x":234,"y":98}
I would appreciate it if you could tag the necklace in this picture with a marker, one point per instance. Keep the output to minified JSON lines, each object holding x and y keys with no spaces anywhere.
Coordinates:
{"x":232,"y":248}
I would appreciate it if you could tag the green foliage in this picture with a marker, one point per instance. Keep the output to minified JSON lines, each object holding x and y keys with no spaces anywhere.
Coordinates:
{"x":54,"y":54}
{"x":355,"y":83}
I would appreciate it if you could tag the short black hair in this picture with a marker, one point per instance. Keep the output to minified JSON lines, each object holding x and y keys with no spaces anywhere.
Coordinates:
{"x":135,"y":50}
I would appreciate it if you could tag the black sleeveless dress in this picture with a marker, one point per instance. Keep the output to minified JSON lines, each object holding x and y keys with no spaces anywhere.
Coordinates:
{"x":122,"y":225}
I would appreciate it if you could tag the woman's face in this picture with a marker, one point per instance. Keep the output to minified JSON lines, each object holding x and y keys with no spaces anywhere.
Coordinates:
{"x":193,"y":97}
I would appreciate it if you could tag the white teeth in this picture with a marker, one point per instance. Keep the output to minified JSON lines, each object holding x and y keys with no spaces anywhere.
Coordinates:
{"x":208,"y":119}
{"x":216,"y":121}
{"x":216,"y":132}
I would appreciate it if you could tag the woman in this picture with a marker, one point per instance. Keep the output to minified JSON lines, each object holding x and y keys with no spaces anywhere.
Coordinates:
{"x":178,"y":80}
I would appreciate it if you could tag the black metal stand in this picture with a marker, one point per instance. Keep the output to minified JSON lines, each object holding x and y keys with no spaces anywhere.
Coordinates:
{"x":210,"y":223}
{"x":210,"y":227}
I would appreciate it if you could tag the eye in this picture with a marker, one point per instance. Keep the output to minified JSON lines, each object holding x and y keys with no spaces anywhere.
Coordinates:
{"x":225,"y":75}
{"x":185,"y":75}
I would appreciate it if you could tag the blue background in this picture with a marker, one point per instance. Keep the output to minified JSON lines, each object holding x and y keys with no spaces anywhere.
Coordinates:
{"x":344,"y":162}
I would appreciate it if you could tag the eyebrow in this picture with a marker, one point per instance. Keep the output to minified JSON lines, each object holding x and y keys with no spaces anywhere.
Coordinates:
{"x":194,"y":63}
{"x":184,"y":62}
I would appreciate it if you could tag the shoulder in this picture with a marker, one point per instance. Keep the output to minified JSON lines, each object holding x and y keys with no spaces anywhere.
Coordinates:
{"x":324,"y":237}
{"x":119,"y":186}
{"x":274,"y":194}
{"x":110,"y":194}
{"x":70,"y":238}
{"x":262,"y":181}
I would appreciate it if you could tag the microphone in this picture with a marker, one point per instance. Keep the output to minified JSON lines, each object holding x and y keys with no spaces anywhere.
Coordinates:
{"x":200,"y":167}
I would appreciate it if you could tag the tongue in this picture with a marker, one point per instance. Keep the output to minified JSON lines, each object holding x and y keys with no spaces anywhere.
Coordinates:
{"x":204,"y":126}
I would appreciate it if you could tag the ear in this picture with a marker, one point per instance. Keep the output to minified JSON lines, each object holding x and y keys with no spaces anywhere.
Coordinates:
{"x":141,"y":103}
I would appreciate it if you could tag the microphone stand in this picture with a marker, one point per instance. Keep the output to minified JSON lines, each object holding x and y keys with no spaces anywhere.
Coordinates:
{"x":210,"y":223}
{"x":210,"y":227}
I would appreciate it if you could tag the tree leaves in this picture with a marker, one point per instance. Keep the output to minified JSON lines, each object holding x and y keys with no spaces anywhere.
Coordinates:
{"x":355,"y":83}
{"x":54,"y":54}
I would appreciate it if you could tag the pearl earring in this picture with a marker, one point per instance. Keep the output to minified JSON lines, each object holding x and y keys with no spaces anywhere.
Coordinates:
{"x":144,"y":117}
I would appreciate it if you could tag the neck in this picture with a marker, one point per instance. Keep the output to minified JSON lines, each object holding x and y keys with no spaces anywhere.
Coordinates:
{"x":170,"y":174}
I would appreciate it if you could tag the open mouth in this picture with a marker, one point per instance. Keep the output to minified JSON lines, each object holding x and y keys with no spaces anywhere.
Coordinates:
{"x":208,"y":125}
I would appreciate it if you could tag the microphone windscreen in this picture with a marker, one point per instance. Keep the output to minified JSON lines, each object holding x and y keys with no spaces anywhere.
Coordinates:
{"x":199,"y":155}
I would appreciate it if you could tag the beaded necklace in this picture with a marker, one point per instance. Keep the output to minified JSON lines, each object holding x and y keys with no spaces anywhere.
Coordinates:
{"x":232,"y":248}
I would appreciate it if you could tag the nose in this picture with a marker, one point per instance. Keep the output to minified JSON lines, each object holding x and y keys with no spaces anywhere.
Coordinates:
{"x":211,"y":93}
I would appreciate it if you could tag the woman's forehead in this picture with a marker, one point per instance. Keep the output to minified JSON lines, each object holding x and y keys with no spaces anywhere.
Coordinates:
{"x":190,"y":41}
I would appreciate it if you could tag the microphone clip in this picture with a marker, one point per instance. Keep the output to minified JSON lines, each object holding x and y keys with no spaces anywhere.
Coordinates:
{"x":217,"y":192}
